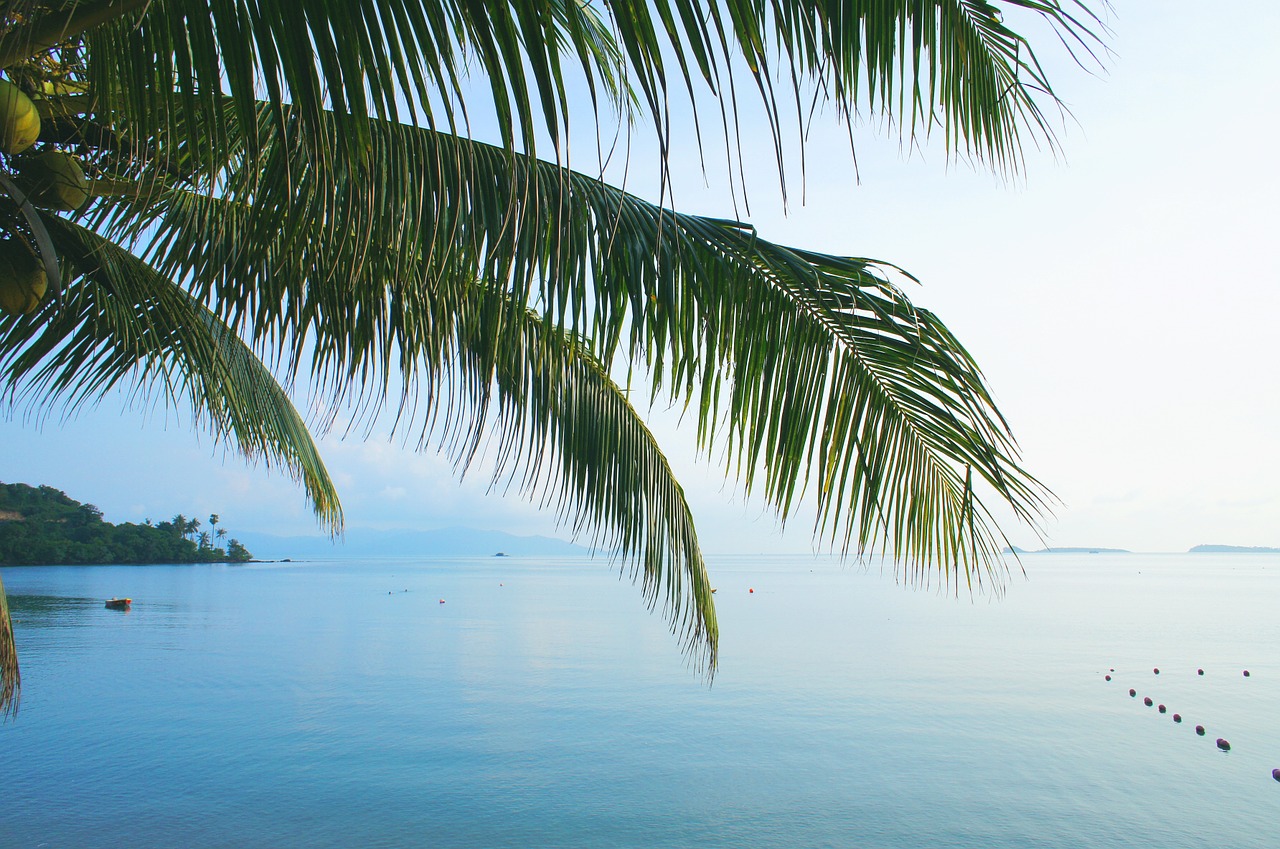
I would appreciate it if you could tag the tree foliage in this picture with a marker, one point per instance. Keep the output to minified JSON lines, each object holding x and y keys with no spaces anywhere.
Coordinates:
{"x":43,"y":526}
{"x":287,"y":190}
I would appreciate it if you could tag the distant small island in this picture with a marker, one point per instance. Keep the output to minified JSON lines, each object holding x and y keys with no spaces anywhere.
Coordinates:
{"x":1233,"y":549}
{"x":43,"y":526}
{"x":1068,"y":550}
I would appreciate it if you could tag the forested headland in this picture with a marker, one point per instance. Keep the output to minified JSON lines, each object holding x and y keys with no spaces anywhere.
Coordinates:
{"x":40,"y":525}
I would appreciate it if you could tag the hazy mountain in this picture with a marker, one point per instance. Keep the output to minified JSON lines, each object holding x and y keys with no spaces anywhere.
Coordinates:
{"x":451,"y":542}
{"x":1233,"y":549}
{"x":1069,"y":550}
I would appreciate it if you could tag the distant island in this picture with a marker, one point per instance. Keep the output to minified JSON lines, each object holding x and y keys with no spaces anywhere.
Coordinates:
{"x":440,"y":542}
{"x":1068,"y":550}
{"x":1232,"y":549}
{"x":43,"y":526}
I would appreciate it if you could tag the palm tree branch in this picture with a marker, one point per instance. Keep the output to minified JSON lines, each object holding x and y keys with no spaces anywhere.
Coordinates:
{"x":949,"y":63}
{"x":563,"y":428}
{"x":10,"y":676}
{"x":122,"y":324}
{"x":814,"y":369}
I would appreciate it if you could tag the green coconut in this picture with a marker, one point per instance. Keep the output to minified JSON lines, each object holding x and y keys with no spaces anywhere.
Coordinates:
{"x":19,"y":119}
{"x":53,"y":180}
{"x":22,"y":278}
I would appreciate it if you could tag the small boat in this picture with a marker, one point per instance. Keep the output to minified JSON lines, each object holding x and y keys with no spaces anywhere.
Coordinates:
{"x":119,"y":603}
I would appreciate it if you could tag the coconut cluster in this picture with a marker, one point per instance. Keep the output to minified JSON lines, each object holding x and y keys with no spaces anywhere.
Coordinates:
{"x":50,"y":179}
{"x":19,"y":119}
{"x":22,"y":278}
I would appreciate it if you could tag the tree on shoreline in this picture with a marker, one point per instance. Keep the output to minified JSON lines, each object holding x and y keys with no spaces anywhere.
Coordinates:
{"x":219,"y":194}
{"x":45,"y":527}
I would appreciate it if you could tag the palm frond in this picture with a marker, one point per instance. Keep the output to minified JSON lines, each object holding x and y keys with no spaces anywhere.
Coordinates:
{"x":120,"y":324}
{"x":566,"y":431}
{"x":949,"y":64}
{"x":813,"y":370}
{"x":10,"y":676}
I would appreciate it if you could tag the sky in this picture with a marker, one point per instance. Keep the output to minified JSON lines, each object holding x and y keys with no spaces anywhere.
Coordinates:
{"x":1120,"y":296}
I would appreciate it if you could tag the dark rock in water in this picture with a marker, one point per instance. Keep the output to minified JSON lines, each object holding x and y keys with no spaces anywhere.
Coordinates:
{"x":1161,"y":708}
{"x":1147,"y":701}
{"x":1177,"y":717}
{"x":1200,"y":730}
{"x":1133,"y":692}
{"x":1224,"y":745}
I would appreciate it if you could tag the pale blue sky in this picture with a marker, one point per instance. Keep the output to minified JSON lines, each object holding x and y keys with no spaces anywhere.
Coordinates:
{"x":1121,"y":300}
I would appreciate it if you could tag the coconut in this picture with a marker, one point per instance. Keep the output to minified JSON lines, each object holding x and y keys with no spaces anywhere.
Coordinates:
{"x":22,"y":278}
{"x":54,"y":180}
{"x":19,"y":120}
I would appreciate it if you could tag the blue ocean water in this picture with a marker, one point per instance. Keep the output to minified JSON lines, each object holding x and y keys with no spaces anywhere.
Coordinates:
{"x":339,"y":704}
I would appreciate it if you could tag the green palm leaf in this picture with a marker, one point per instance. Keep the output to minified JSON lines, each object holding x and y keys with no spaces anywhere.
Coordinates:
{"x":564,"y":429}
{"x":952,"y":65}
{"x":10,"y":677}
{"x":814,"y":370}
{"x":120,"y":324}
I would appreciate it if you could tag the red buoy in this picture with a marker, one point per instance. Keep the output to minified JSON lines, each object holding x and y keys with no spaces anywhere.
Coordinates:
{"x":1161,"y":708}
{"x":1275,"y":773}
{"x":1224,"y":745}
{"x":751,"y":589}
{"x":1246,"y":673}
{"x":1156,"y":670}
{"x":1200,"y":730}
{"x":1108,"y":677}
{"x":1199,"y":671}
{"x":1147,"y":701}
{"x":1177,"y":717}
{"x":1133,"y":692}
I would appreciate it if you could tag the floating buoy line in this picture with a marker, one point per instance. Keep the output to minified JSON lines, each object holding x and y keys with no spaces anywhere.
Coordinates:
{"x":1222,"y":743}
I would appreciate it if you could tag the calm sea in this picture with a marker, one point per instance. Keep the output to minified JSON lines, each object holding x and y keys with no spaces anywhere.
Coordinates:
{"x":340,"y":704}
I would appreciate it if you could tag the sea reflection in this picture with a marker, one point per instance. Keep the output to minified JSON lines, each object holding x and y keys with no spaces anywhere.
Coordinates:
{"x":51,"y":611}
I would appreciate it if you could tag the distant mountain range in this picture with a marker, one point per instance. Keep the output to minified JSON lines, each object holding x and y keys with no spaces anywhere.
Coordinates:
{"x":1233,"y":549}
{"x":1068,"y":550}
{"x":1199,"y":549}
{"x":446,"y":542}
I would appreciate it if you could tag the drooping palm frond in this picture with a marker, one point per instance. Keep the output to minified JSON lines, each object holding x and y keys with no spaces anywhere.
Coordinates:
{"x":10,"y":676}
{"x":120,"y":324}
{"x":563,"y":429}
{"x":815,"y":370}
